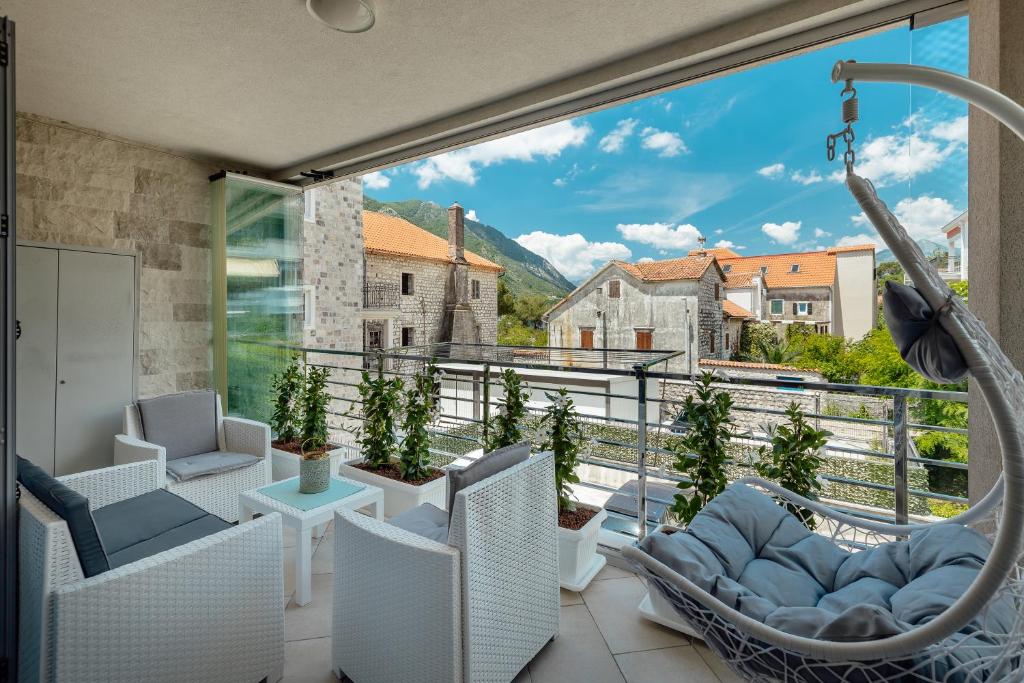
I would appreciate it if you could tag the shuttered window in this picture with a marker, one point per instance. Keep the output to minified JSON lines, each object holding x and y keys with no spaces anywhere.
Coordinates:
{"x":586,"y":339}
{"x":613,"y":289}
{"x":644,"y":340}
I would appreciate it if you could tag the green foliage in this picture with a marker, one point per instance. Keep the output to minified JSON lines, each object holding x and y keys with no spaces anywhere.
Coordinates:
{"x":381,"y":400}
{"x":777,"y":352}
{"x":889,"y":270}
{"x":506,"y":426}
{"x":798,"y":331}
{"x":944,"y":446}
{"x":960,"y":289}
{"x":752,"y":336}
{"x":564,"y":437}
{"x":879,"y":363}
{"x":506,"y":302}
{"x":792,"y":460}
{"x":828,"y":355}
{"x":700,"y":454}
{"x":512,"y":332}
{"x":530,"y":308}
{"x":420,"y":410}
{"x":315,"y":399}
{"x":288,"y":385}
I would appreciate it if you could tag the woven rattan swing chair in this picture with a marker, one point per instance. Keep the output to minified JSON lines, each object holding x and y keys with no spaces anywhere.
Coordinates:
{"x":971,"y":639}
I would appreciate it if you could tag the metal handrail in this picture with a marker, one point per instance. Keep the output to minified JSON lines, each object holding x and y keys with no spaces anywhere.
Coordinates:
{"x":378,"y":295}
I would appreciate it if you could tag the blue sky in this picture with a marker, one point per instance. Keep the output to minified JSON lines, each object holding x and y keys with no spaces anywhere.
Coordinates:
{"x":739,"y":159}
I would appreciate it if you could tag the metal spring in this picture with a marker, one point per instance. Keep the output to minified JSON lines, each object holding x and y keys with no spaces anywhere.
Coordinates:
{"x":851,"y":110}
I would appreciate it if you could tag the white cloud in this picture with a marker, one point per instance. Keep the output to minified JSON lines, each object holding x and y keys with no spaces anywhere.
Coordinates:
{"x":572,"y":254}
{"x":719,"y":231}
{"x":727,"y":244}
{"x":661,"y":235}
{"x":666,"y":143}
{"x":898,"y":158}
{"x":782,"y":233}
{"x":616,"y":139}
{"x":376,"y":180}
{"x":645,"y":259}
{"x":954,"y":130}
{"x":811,"y":178}
{"x":471,"y":215}
{"x":559,"y":182}
{"x":819,"y":233}
{"x":772,"y":170}
{"x":462,"y":165}
{"x":922,"y":216}
{"x":857,"y":240}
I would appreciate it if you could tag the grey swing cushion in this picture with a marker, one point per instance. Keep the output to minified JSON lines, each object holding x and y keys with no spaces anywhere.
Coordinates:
{"x":922,"y":342}
{"x":754,"y":556}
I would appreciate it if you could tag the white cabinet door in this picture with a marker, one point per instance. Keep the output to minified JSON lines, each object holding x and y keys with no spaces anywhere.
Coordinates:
{"x":95,"y":356}
{"x":37,"y":354}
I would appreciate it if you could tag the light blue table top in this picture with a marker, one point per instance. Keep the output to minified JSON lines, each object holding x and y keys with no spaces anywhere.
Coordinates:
{"x":287,"y":492}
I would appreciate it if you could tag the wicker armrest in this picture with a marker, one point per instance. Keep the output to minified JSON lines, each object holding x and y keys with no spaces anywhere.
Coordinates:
{"x":246,"y":436}
{"x":120,"y":482}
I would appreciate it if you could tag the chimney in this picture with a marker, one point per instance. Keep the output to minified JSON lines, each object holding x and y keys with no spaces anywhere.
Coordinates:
{"x":456,"y":233}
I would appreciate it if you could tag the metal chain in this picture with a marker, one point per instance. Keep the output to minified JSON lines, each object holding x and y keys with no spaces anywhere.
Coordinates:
{"x":851,"y":113}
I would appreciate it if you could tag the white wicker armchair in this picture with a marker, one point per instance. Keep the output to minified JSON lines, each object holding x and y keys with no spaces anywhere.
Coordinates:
{"x":215,"y":493}
{"x":478,"y":608}
{"x":209,"y":610}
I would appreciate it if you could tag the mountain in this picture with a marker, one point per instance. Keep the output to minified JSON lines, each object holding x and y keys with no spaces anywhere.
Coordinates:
{"x":525,"y":271}
{"x":929,"y":247}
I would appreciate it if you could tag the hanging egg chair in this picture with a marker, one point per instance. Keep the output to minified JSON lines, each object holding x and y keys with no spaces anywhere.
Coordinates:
{"x":861,"y":600}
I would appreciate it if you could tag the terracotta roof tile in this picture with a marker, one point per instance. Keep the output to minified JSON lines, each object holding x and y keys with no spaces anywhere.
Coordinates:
{"x":394,"y":236}
{"x":816,"y":269}
{"x":720,"y":252}
{"x":856,"y":247}
{"x":686,"y":268}
{"x":733,"y":310}
{"x":751,"y":366}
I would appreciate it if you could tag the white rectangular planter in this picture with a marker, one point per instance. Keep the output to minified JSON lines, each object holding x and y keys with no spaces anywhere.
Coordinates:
{"x":578,"y":559}
{"x":286,"y":465}
{"x":398,"y":495}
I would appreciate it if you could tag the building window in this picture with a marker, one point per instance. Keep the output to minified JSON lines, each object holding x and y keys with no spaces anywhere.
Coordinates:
{"x":586,"y":338}
{"x":802,"y":308}
{"x":775,"y":306}
{"x":712,"y":342}
{"x":614,"y":287}
{"x":795,"y":268}
{"x":407,"y":283}
{"x":718,"y":291}
{"x":727,"y":268}
{"x":644,"y":340}
{"x":726,"y":340}
{"x":309,"y":206}
{"x":764,"y":270}
{"x":476,"y":289}
{"x":408,"y":336}
{"x":822,"y":328}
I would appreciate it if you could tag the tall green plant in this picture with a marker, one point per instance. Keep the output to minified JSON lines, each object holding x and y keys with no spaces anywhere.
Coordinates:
{"x":420,"y":410}
{"x":506,"y":426}
{"x":564,"y":437}
{"x":315,"y":399}
{"x":287,"y":410}
{"x":700,"y":454}
{"x":792,"y":459}
{"x":381,"y":403}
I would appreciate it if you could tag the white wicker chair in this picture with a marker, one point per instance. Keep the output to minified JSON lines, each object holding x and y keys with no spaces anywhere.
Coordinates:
{"x":477,"y":609}
{"x":209,"y":610}
{"x":215,"y":493}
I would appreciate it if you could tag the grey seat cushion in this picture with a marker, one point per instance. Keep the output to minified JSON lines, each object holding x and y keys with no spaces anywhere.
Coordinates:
{"x":757,"y":558}
{"x":485,"y":466}
{"x":919,"y":335}
{"x":192,"y":466}
{"x":185,"y":424}
{"x":73,"y":508}
{"x":156,"y":521}
{"x":425,"y":520}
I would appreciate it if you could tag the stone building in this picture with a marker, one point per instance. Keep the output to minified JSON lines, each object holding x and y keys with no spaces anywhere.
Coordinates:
{"x":666,"y":305}
{"x":422,"y":289}
{"x":833,"y":290}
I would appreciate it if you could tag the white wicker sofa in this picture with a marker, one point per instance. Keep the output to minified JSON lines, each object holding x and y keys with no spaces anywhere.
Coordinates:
{"x":206,"y":610}
{"x":231,"y":454}
{"x":477,"y":608}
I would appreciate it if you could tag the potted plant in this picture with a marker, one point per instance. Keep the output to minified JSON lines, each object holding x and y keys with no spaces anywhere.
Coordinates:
{"x":578,"y":525}
{"x":294,"y":422}
{"x":402,"y":469}
{"x":315,"y":466}
{"x":506,"y":428}
{"x":792,"y":459}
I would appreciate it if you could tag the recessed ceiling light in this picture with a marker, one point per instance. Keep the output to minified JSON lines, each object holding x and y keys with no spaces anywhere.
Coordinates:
{"x":348,"y":16}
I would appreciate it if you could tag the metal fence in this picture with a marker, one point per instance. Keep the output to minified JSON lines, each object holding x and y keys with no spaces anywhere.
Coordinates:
{"x":378,"y":295}
{"x":635,"y":444}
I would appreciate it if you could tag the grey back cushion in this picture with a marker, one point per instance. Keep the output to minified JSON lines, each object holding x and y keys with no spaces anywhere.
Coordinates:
{"x":185,"y":424}
{"x":919,"y":336}
{"x":485,"y":466}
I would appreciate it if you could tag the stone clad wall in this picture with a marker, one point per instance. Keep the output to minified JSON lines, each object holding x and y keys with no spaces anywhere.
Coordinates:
{"x":709,"y":314}
{"x":79,"y":187}
{"x":485,"y":309}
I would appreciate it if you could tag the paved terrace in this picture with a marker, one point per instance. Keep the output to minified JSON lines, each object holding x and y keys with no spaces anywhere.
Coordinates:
{"x":603,"y":638}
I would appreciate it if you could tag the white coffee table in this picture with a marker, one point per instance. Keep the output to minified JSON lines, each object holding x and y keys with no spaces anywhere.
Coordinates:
{"x":305,"y":521}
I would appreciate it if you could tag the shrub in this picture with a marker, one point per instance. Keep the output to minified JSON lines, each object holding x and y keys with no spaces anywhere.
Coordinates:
{"x":420,"y":410}
{"x":563,"y":437}
{"x":944,"y":446}
{"x":381,"y":399}
{"x":700,"y":454}
{"x":792,"y":459}
{"x":506,"y":426}
{"x":753,"y":335}
{"x":315,"y":399}
{"x":288,"y":386}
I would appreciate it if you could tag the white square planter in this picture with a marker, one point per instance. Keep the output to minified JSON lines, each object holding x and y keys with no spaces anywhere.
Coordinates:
{"x":286,"y":465}
{"x":398,"y":495}
{"x":578,"y":559}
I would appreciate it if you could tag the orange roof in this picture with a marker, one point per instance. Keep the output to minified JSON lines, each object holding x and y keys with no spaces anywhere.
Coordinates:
{"x":816,"y":269}
{"x":720,"y":252}
{"x":394,"y":236}
{"x":733,"y":310}
{"x":856,"y":247}
{"x":686,"y":268}
{"x":751,"y":366}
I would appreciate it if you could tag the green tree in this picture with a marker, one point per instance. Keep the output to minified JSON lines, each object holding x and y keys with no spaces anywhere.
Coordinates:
{"x":828,"y":355}
{"x":530,"y":308}
{"x":512,"y":332}
{"x":777,"y":352}
{"x":506,"y":302}
{"x":752,"y":334}
{"x":792,"y":459}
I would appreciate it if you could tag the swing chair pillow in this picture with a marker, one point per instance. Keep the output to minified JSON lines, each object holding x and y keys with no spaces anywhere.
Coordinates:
{"x":919,"y":336}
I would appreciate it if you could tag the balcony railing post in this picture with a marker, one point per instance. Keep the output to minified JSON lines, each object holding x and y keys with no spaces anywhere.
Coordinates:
{"x":641,"y":450}
{"x":900,"y":447}
{"x":486,"y":417}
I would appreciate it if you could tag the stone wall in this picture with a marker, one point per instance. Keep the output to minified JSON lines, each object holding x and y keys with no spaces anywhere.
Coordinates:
{"x":485,"y":309}
{"x":79,"y":187}
{"x":709,"y":315}
{"x":820,"y":299}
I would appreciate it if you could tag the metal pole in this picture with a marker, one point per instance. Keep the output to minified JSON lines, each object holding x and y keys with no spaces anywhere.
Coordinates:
{"x":380,"y":364}
{"x":900,"y":445}
{"x":487,"y":401}
{"x":641,"y":450}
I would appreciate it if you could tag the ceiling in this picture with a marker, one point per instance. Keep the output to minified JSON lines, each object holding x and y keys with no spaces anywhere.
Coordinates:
{"x":260,"y":83}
